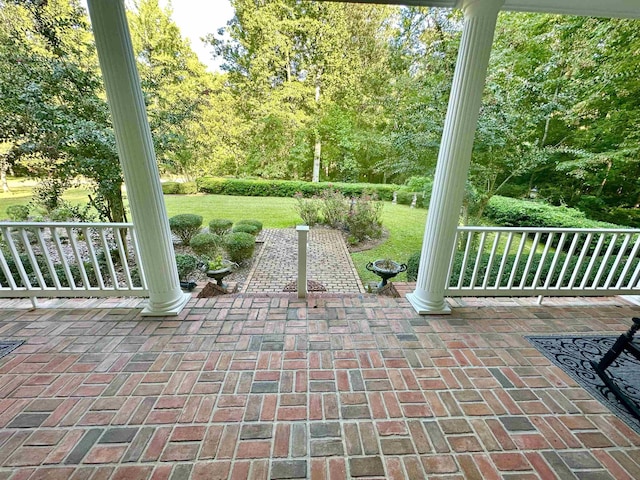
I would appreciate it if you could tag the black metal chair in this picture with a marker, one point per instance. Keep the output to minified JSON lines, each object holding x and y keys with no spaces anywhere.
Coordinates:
{"x":624,"y":342}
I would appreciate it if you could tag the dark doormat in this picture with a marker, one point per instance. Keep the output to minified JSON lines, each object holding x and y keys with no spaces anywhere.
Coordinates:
{"x":573,"y":355}
{"x":9,"y":346}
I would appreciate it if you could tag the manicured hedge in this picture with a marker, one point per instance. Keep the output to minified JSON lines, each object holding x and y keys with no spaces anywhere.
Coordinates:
{"x":288,"y":188}
{"x":513,"y":212}
{"x":414,"y":260}
{"x":178,"y":188}
{"x":405,"y":198}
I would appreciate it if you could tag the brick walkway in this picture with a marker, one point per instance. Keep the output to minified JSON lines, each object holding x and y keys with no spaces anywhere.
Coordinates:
{"x":328,"y":262}
{"x":267,"y":386}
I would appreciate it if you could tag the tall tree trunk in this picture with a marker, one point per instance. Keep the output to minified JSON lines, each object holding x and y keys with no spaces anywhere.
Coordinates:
{"x":4,"y":166}
{"x":317,"y":151}
{"x":318,"y":147}
{"x":547,"y":122}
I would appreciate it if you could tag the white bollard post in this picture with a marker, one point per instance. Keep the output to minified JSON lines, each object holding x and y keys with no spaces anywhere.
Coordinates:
{"x":303,"y":235}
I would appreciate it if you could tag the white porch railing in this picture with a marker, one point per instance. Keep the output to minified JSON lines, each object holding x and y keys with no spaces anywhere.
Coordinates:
{"x":70,"y":260}
{"x":495,"y":261}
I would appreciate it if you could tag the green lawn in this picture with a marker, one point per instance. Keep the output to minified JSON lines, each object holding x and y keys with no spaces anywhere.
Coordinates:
{"x":406,"y":229}
{"x":273,"y":212}
{"x":405,"y":225}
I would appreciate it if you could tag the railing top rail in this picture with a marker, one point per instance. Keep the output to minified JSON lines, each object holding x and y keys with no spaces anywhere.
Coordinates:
{"x":547,"y":229}
{"x":66,"y":224}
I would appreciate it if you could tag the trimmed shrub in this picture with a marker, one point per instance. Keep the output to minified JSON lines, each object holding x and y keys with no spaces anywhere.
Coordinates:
{"x":186,"y":264}
{"x":625,"y":216}
{"x":512,"y":212}
{"x":545,"y":268}
{"x":205,"y":244}
{"x":188,"y":188}
{"x":364,"y":218}
{"x":246,"y":228}
{"x":413,"y":262}
{"x":18,"y":213}
{"x":46,"y":274}
{"x":288,"y":188}
{"x":255,"y":223}
{"x":185,"y":226}
{"x":179,"y":188}
{"x":405,"y":198}
{"x":239,"y":246}
{"x":170,"y":188}
{"x":220,"y":226}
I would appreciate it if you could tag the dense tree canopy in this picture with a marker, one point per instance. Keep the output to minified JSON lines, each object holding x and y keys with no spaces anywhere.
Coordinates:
{"x":331,"y":91}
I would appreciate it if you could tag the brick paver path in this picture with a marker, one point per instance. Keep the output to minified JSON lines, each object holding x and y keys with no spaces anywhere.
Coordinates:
{"x":334,"y":387}
{"x":328,"y":262}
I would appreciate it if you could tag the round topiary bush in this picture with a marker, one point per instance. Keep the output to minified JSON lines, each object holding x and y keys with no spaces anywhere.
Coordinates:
{"x":239,"y":246}
{"x":413,"y":262}
{"x":18,"y":213}
{"x":205,"y":244}
{"x":246,"y":228}
{"x":186,"y":264}
{"x":220,"y":226}
{"x":185,"y":226}
{"x":255,"y":223}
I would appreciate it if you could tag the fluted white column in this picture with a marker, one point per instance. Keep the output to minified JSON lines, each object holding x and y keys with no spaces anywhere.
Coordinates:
{"x":137,"y":156}
{"x":480,"y":18}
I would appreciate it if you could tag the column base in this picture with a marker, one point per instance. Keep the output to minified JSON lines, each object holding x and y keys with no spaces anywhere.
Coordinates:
{"x":170,"y":310}
{"x":424,"y":308}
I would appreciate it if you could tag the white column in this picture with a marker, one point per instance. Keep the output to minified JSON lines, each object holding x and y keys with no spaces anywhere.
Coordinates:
{"x":480,"y":18}
{"x":137,"y":156}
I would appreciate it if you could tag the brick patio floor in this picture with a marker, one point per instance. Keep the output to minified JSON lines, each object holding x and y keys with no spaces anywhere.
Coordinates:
{"x":328,"y":262}
{"x":267,"y":386}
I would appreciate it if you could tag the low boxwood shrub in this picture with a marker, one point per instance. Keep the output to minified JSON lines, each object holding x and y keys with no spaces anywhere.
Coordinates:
{"x":246,"y":228}
{"x":18,"y":213}
{"x":413,"y":262}
{"x":545,"y":268}
{"x":186,"y":264}
{"x":170,"y":188}
{"x":179,"y":188}
{"x":42,"y":263}
{"x":188,"y":188}
{"x":239,"y":246}
{"x":185,"y":226}
{"x":205,"y":244}
{"x":220,"y":226}
{"x":255,"y":223}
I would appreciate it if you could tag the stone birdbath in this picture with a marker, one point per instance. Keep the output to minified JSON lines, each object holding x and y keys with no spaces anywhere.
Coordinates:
{"x":386,"y":269}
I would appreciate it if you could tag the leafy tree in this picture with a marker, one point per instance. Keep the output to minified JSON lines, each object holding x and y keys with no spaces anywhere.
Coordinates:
{"x":176,"y":87}
{"x":52,"y":107}
{"x":293,"y":73}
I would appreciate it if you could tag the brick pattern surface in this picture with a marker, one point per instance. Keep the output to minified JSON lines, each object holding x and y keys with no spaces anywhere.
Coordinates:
{"x":328,"y":262}
{"x":270,"y":387}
